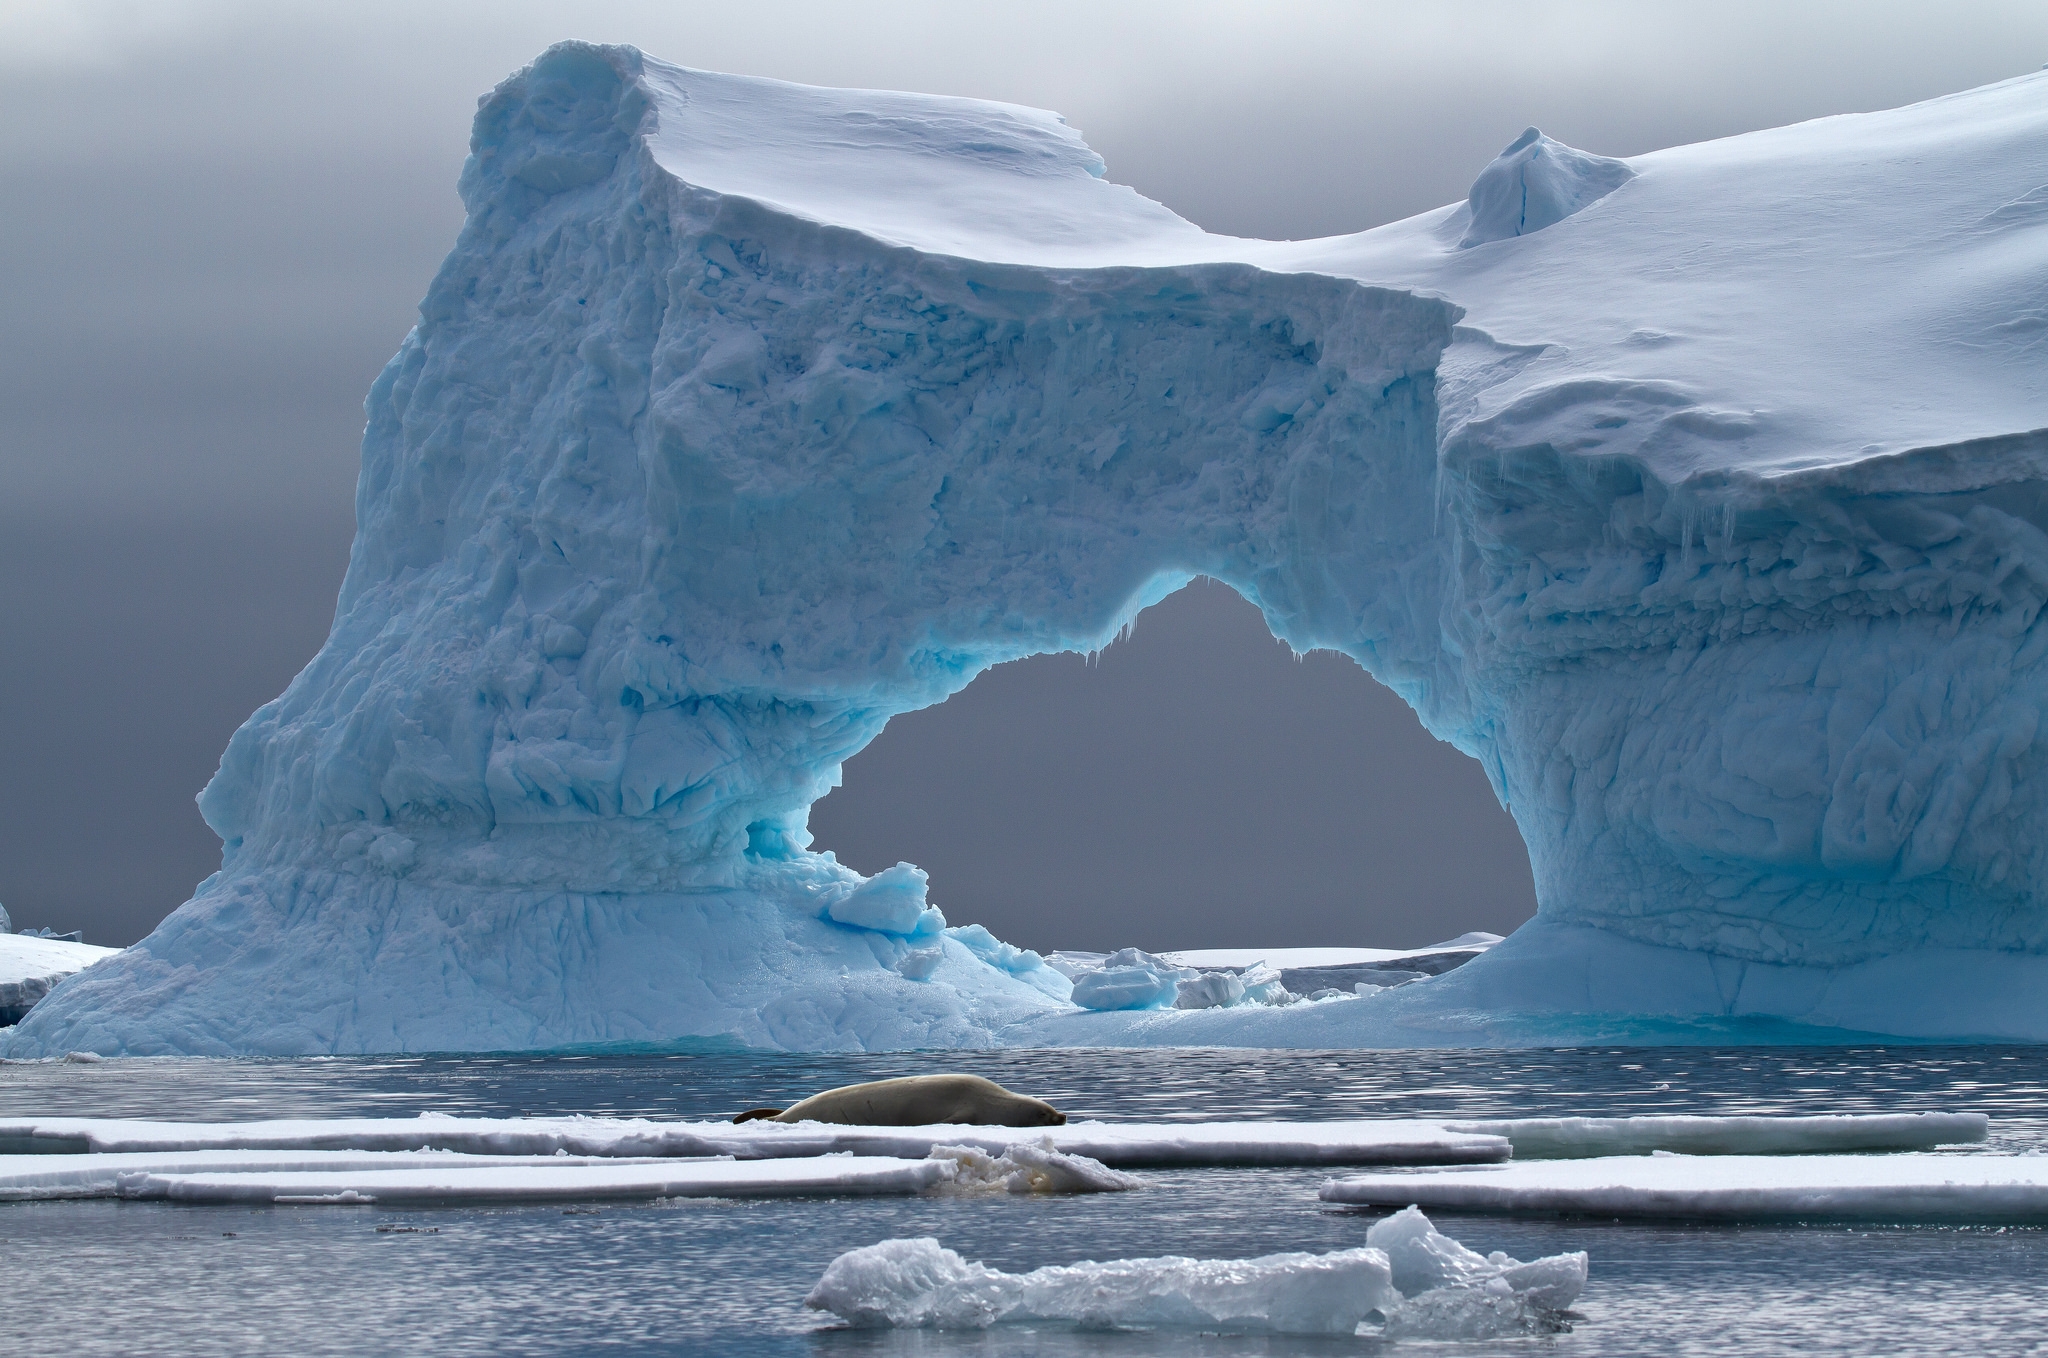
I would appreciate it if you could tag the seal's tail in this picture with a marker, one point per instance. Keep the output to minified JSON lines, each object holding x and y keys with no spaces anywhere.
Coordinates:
{"x":752,"y":1113}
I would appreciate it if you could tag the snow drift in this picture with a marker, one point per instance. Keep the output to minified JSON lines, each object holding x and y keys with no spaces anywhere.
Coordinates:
{"x":1703,"y":502}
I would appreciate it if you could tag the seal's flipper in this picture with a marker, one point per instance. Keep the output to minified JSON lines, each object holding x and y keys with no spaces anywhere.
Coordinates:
{"x":752,"y":1113}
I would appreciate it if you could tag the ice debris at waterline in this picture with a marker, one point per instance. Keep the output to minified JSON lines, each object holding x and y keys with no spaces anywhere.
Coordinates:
{"x":1983,"y":1189}
{"x":1128,"y":1145}
{"x":1701,"y":497}
{"x":1024,"y":1167}
{"x":1421,"y":1284}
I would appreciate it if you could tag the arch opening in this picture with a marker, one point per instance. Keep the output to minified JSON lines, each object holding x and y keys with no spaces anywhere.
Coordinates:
{"x":1195,"y":784}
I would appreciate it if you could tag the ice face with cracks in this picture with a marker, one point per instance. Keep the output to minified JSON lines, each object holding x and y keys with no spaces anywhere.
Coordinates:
{"x":1705,"y":508}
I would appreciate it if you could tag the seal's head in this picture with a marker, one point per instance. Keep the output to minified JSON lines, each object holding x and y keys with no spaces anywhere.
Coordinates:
{"x":1030,"y":1112}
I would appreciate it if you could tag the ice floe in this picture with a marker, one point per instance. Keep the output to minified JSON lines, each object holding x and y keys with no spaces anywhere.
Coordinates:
{"x":1422,"y":1284}
{"x":1890,"y":1188}
{"x":1687,"y":1134}
{"x":439,"y":1176}
{"x":1121,"y":1144}
{"x":458,"y":1181}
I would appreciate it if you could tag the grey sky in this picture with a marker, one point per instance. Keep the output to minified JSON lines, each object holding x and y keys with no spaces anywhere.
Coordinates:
{"x":218,"y":217}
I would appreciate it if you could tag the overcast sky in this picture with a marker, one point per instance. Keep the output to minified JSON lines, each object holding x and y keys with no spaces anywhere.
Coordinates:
{"x":218,"y":217}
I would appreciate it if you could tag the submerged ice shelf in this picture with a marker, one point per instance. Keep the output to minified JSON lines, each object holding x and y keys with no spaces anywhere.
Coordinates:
{"x":1701,"y":497}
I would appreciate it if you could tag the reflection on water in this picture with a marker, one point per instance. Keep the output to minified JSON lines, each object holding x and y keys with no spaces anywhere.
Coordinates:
{"x":728,"y":1277}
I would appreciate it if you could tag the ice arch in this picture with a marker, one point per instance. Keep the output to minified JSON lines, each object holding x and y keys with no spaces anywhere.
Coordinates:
{"x":744,"y":415}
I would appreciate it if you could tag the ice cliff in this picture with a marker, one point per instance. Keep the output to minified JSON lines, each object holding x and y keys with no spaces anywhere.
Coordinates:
{"x":1701,"y":497}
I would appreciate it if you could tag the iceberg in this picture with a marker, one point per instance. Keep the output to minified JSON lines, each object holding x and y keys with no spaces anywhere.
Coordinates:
{"x":1701,"y":497}
{"x":1907,"y":1188}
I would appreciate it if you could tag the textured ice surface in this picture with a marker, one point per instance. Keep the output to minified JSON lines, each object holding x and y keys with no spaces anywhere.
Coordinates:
{"x":919,"y":1284}
{"x":1709,"y":517}
{"x":1023,"y":1167}
{"x":1890,"y":1188}
{"x":1423,"y":1284}
{"x":1390,"y":1141}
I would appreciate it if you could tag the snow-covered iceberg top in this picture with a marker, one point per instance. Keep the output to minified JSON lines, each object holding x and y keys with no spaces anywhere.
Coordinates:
{"x":1701,"y":498}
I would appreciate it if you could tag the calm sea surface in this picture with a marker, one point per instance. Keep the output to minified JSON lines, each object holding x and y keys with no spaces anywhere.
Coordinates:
{"x":92,"y":1278}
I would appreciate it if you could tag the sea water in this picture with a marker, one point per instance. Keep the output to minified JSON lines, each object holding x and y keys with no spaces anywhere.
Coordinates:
{"x":705,"y":1277}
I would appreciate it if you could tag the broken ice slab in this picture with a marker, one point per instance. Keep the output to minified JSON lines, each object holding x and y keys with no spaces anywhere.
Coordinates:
{"x":1125,"y":1145}
{"x":36,"y":1178}
{"x":1988,"y":1189}
{"x":456,"y":1180}
{"x":1685,"y":1134}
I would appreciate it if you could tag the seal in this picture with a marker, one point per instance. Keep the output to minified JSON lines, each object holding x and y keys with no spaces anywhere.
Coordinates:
{"x":917,"y":1101}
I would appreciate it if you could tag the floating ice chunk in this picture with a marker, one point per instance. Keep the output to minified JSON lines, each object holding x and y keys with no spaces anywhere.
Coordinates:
{"x":1129,"y":978}
{"x":1028,"y":1168}
{"x":890,"y":902}
{"x":1210,"y":990}
{"x":1894,"y":1188}
{"x":1583,"y":1138}
{"x":1364,"y":1141}
{"x":919,"y":1284}
{"x":1537,"y":182}
{"x":1124,"y":988}
{"x":1422,"y":1257}
{"x":1456,"y":1293}
{"x":1489,"y":1310}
